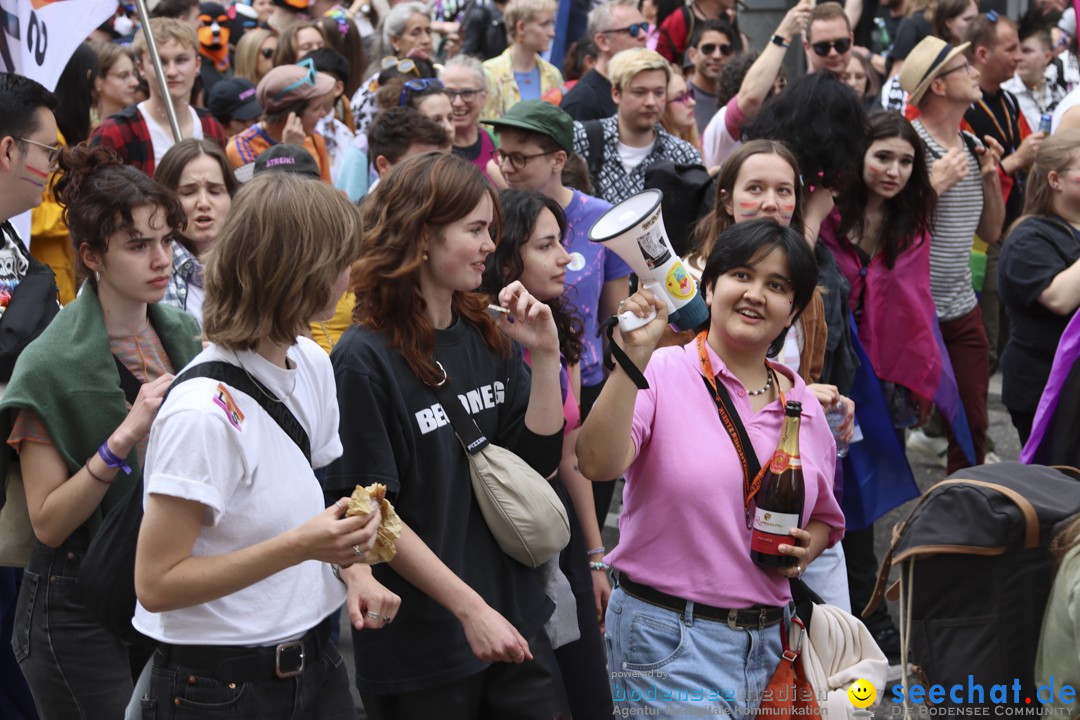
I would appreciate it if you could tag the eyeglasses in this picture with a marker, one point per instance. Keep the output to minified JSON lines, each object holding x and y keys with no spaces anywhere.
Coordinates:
{"x":631,"y":30}
{"x":467,"y":95}
{"x":267,"y":53}
{"x":517,"y":160}
{"x":404,"y":66}
{"x":683,"y":97}
{"x":966,"y":66}
{"x":725,"y":50}
{"x":418,"y":86}
{"x":307,"y":79}
{"x":821,"y":49}
{"x":53,"y":150}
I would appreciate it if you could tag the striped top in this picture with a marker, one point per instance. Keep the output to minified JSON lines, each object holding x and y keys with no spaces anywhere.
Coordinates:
{"x":957,"y":217}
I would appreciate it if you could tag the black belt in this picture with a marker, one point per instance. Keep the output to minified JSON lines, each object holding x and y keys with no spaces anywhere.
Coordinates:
{"x":745,"y":619}
{"x":229,"y":663}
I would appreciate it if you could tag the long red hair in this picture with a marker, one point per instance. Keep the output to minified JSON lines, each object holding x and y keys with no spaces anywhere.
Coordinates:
{"x":410,"y":206}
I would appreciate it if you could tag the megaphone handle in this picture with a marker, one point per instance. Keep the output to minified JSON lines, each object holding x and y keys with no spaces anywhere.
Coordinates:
{"x":628,"y":321}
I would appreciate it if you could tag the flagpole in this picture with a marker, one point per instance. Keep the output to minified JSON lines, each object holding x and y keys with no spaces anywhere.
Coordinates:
{"x":151,"y":46}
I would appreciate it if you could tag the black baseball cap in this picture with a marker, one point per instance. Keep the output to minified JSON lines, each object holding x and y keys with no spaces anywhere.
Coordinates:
{"x":234,"y":98}
{"x":285,"y":157}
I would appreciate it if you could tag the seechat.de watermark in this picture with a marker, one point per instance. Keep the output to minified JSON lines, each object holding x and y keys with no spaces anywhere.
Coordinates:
{"x":976,"y":699}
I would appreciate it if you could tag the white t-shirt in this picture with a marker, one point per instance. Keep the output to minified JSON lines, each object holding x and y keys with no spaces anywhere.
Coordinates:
{"x":217,"y":446}
{"x":161,"y":137}
{"x":1067,"y":103}
{"x":717,"y":142}
{"x":632,"y":156}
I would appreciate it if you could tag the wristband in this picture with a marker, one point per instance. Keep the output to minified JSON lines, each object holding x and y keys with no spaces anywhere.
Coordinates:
{"x":599,"y":566}
{"x":596,"y":551}
{"x":781,"y":41}
{"x":99,"y":479}
{"x":111,"y":459}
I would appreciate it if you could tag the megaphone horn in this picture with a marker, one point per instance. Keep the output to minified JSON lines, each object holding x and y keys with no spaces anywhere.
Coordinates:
{"x":634,"y":229}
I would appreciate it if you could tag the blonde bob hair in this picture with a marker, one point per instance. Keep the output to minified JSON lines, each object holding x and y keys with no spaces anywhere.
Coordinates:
{"x":285,"y":243}
{"x":164,"y":29}
{"x":628,"y":63}
{"x":1055,"y":155}
{"x":246,"y":62}
{"x":524,"y":11}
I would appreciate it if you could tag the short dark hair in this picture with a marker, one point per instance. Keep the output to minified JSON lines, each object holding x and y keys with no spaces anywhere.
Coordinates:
{"x":715,"y":25}
{"x":394,"y":131}
{"x":330,"y":61}
{"x":282,"y":113}
{"x":746,"y":243}
{"x":982,"y":32}
{"x":20,"y":97}
{"x":173,"y":8}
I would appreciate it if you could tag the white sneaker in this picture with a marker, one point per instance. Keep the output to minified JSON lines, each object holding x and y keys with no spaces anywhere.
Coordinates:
{"x":933,"y":450}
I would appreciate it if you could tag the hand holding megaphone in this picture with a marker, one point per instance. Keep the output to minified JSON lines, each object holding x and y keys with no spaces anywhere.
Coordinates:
{"x":642,"y":319}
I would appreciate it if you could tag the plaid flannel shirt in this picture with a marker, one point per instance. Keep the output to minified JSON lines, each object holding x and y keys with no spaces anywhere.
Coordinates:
{"x":614,"y":184}
{"x":127,"y":134}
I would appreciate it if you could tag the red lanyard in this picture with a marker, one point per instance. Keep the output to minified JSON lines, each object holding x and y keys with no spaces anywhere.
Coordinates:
{"x":750,"y":485}
{"x":1008,"y":122}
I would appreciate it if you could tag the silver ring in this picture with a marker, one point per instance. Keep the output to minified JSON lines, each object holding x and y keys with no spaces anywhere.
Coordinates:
{"x":357,"y":550}
{"x":374,"y":615}
{"x":799,"y":568}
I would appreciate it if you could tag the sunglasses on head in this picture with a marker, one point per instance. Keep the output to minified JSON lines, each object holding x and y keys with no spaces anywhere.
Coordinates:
{"x":725,"y":50}
{"x":821,"y":49}
{"x":404,"y":66}
{"x":418,"y":86}
{"x":631,"y":30}
{"x":308,"y":78}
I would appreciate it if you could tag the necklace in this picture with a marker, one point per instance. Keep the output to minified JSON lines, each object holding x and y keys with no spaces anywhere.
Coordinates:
{"x":768,"y":383}
{"x":259,"y":385}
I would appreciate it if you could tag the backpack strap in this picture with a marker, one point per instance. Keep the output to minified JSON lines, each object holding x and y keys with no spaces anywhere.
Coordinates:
{"x":594,"y":132}
{"x":237,"y":378}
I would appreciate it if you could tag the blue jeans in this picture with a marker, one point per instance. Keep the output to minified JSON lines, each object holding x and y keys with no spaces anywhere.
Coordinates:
{"x":76,"y":669}
{"x":680,"y":664}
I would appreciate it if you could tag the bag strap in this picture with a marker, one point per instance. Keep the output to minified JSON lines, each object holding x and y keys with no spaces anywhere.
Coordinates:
{"x":468,"y":432}
{"x":242,"y":381}
{"x":128,"y":382}
{"x":613,"y":353}
{"x":594,"y":132}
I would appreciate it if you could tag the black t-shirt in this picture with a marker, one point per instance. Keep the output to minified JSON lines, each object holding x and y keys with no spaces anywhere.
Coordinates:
{"x":1035,"y":252}
{"x":590,"y":99}
{"x":864,"y":31}
{"x":998,"y":115}
{"x":395,"y":432}
{"x":912,"y":30}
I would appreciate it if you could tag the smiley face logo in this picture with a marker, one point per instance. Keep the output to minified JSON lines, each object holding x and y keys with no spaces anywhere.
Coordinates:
{"x":861,"y":693}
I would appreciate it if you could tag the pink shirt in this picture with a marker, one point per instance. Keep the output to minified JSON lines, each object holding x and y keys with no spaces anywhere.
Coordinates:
{"x":683,"y":527}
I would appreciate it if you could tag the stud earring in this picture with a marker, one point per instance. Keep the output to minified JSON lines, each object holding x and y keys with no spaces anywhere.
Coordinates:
{"x":425,"y":257}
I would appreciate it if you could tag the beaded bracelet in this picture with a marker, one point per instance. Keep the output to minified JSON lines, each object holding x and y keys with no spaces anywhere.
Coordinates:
{"x":599,"y":566}
{"x":596,"y":551}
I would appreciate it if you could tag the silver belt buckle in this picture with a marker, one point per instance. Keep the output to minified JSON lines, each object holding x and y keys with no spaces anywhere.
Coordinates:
{"x":733,"y":619}
{"x":289,"y":659}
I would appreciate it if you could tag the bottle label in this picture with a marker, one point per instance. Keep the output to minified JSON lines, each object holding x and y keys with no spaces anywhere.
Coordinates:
{"x":771,"y":529}
{"x":781,"y":461}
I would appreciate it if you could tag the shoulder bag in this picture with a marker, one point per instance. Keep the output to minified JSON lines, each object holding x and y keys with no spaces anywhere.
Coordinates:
{"x":107,"y":573}
{"x":521,"y":509}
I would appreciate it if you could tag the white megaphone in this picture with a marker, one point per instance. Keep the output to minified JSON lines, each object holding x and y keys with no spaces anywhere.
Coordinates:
{"x":635,"y":230}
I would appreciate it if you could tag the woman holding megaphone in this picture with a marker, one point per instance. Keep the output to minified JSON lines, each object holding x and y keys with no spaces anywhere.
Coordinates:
{"x":686,"y":624}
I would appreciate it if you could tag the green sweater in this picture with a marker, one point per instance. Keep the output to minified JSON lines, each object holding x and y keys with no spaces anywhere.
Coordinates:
{"x":68,"y":377}
{"x":1058,"y":656}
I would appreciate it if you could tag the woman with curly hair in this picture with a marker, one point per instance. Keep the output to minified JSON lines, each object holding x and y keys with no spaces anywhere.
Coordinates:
{"x":533,"y":250}
{"x":80,"y":444}
{"x":469,"y":640}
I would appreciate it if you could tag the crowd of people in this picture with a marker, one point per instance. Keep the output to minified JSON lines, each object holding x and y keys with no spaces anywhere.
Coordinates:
{"x":349,"y":212}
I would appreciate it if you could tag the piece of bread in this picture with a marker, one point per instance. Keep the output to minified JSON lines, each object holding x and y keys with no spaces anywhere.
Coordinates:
{"x":390,"y":527}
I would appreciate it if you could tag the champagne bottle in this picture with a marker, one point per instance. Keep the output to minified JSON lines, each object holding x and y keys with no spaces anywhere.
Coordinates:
{"x":779,"y":500}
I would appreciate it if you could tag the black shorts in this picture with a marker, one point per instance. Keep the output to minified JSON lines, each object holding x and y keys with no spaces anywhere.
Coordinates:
{"x":532,"y":690}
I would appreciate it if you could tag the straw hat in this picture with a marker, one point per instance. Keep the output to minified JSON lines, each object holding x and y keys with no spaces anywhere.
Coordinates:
{"x":924,"y":63}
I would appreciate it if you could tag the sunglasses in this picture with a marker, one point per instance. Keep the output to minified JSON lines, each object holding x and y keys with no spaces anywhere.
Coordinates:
{"x":517,"y":160}
{"x":725,"y":50}
{"x":418,"y":86}
{"x":404,"y":66}
{"x":821,"y":49}
{"x":631,"y":30}
{"x":307,"y":79}
{"x":683,"y":97}
{"x":53,"y":150}
{"x":267,"y":53}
